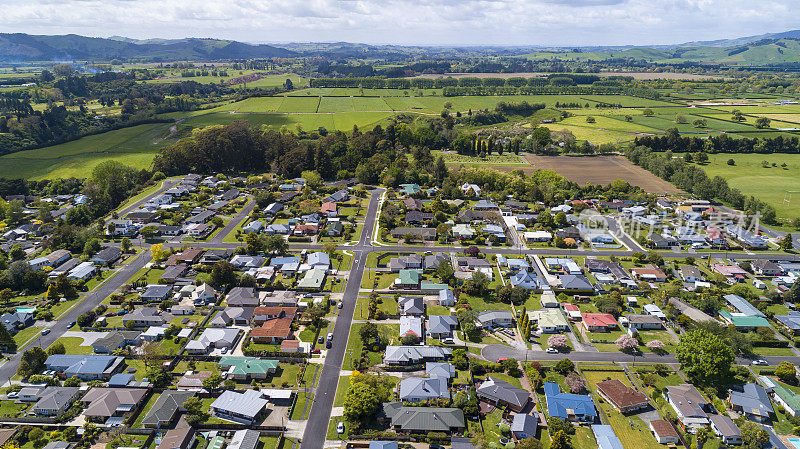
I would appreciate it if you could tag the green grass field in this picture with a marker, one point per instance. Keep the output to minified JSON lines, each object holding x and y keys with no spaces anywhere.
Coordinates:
{"x":132,"y":146}
{"x":767,"y":184}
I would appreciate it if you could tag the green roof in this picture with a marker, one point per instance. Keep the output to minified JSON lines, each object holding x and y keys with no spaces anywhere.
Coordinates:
{"x":427,"y":285}
{"x":744,"y":320}
{"x":314,"y":278}
{"x":409,"y":276}
{"x":788,"y":396}
{"x":248,"y":365}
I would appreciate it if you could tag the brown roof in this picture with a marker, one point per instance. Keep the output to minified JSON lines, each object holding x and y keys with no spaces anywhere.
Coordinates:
{"x":663,"y":428}
{"x":275,"y":311}
{"x":620,"y":394}
{"x":277,"y":328}
{"x":177,"y":438}
{"x":290,"y":344}
{"x":191,"y":255}
{"x":194,"y":380}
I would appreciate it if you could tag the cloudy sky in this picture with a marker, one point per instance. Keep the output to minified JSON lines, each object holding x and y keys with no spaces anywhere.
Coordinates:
{"x":426,"y":22}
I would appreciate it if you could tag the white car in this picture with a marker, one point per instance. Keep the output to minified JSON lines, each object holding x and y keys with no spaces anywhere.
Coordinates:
{"x":552,"y":351}
{"x":760,"y":362}
{"x":340,"y":428}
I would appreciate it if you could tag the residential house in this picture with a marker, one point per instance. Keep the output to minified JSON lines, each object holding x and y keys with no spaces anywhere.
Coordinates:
{"x":733,"y":273}
{"x":213,"y":338}
{"x":410,"y":262}
{"x":524,"y":425}
{"x":549,"y":321}
{"x":790,"y":321}
{"x":411,"y":355}
{"x":572,"y":311}
{"x":240,"y":316}
{"x":649,"y":274}
{"x":334,"y":228}
{"x":764,"y":267}
{"x":567,"y":406}
{"x":663,"y":432}
{"x":408,"y":279}
{"x":605,"y":437}
{"x":193,"y":381}
{"x":242,"y":297}
{"x":576,"y":283}
{"x":314,"y":279}
{"x":422,"y":419}
{"x":691,"y":274}
{"x":421,"y":389}
{"x":415,"y":217}
{"x":426,"y":234}
{"x":753,"y":402}
{"x":410,"y":305}
{"x":242,"y":261}
{"x":411,"y":325}
{"x":743,"y":306}
{"x":599,"y":322}
{"x":622,"y":397}
{"x":273,"y":331}
{"x":526,"y":279}
{"x":242,"y":408}
{"x":82,"y":272}
{"x":115,"y":340}
{"x":652,"y":309}
{"x":463,"y":231}
{"x":726,"y":429}
{"x":144,"y":316}
{"x":156,"y":293}
{"x":440,"y":369}
{"x":446,"y":298}
{"x":254,"y":227}
{"x":339,"y":196}
{"x":644,"y":322}
{"x":786,"y":398}
{"x":245,"y":439}
{"x":54,"y":401}
{"x":266,"y":313}
{"x":503,"y":394}
{"x":278,"y":298}
{"x":470,"y":190}
{"x":247,"y":368}
{"x":743,"y":322}
{"x":181,"y":437}
{"x":441,"y":326}
{"x":84,"y":367}
{"x":104,"y":403}
{"x":690,"y":406}
{"x":106,"y":256}
{"x":17,"y":321}
{"x":495,"y":318}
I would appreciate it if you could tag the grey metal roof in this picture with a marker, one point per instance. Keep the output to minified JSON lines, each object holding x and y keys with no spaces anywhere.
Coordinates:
{"x":165,"y":407}
{"x":413,"y":354}
{"x":725,"y":425}
{"x":441,"y":324}
{"x":753,"y":400}
{"x":743,"y":306}
{"x":424,"y":419}
{"x":423,"y":388}
{"x":250,"y":403}
{"x":526,"y":423}
{"x":440,"y":369}
{"x":244,"y":439}
{"x":55,"y":398}
{"x":500,"y":390}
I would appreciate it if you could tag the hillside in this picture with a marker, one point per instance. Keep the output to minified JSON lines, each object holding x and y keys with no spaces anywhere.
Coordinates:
{"x":764,"y":52}
{"x":26,"y":47}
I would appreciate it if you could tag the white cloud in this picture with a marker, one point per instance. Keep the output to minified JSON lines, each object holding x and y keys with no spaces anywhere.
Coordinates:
{"x":466,"y":22}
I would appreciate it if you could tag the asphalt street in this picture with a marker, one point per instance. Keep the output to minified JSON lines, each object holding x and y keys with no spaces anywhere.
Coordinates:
{"x":320,"y":415}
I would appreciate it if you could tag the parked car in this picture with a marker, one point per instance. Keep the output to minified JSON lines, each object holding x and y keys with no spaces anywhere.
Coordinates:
{"x":340,"y":305}
{"x":315,"y":351}
{"x":12,"y":395}
{"x":45,"y":331}
{"x":321,"y":339}
{"x":760,"y":362}
{"x":552,"y":351}
{"x":328,"y":344}
{"x":72,"y":323}
{"x":340,"y":427}
{"x":448,"y":341}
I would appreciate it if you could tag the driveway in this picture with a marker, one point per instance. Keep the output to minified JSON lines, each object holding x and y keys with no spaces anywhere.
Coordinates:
{"x":88,"y":337}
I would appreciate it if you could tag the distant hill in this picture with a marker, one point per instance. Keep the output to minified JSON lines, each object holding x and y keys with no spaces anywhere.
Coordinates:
{"x":26,"y":47}
{"x":794,"y":34}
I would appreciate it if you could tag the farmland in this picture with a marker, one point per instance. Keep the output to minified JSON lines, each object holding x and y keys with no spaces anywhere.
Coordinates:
{"x":134,"y":146}
{"x":601,"y":170}
{"x":767,"y":184}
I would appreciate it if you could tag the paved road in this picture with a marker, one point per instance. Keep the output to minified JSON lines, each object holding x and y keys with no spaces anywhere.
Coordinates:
{"x":92,"y":300}
{"x":495,"y":352}
{"x":234,"y":222}
{"x":166,"y":185}
{"x":320,"y":415}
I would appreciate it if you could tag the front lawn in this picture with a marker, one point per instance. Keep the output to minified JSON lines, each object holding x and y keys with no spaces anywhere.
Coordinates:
{"x":26,"y":334}
{"x":73,"y":345}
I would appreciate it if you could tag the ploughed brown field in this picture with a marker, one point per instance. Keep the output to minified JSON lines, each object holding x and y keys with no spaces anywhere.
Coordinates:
{"x":598,"y":170}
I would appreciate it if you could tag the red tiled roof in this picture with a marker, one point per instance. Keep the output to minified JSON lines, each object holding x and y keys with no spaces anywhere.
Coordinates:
{"x":570,"y":307}
{"x":275,"y":311}
{"x":599,"y":319}
{"x":277,"y":328}
{"x":663,"y":428}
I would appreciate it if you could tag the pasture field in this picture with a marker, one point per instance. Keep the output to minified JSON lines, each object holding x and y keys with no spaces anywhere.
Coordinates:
{"x":590,"y":132}
{"x":601,"y":170}
{"x":259,"y":104}
{"x":510,"y":159}
{"x":135,"y":146}
{"x":266,"y":82}
{"x":627,"y":101}
{"x":767,"y":184}
{"x":296,"y":104}
{"x":343,"y":121}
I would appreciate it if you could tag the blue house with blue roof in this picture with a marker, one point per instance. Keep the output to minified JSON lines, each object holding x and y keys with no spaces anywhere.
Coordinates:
{"x":567,"y":406}
{"x":85,"y":367}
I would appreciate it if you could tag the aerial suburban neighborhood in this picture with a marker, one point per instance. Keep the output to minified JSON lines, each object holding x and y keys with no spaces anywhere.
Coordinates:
{"x":402,"y":224}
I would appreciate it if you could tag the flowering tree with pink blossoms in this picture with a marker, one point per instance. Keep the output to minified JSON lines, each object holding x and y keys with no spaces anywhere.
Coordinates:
{"x":626,"y":343}
{"x":557,"y":341}
{"x":656,"y":345}
{"x":575,"y":383}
